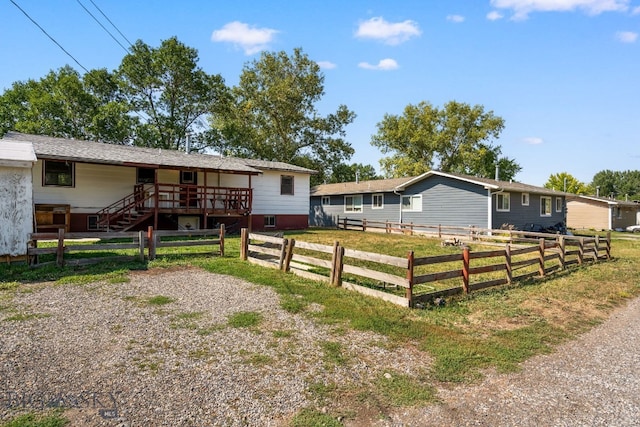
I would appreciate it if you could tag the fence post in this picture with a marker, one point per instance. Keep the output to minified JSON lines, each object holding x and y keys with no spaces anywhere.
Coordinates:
{"x":411,"y":228}
{"x":439,"y":231}
{"x":608,"y":247}
{"x":465,"y":270}
{"x":151,"y":241}
{"x":596,"y":248}
{"x":562,"y":246}
{"x":507,"y":262}
{"x":60,"y":252}
{"x":541,"y":257}
{"x":244,"y":244}
{"x":387,"y":227}
{"x":337,"y":265}
{"x":141,"y":245}
{"x":410,"y":266}
{"x":338,"y":222}
{"x":288,"y":254}
{"x":283,"y":254}
{"x":334,"y":263}
{"x":222,"y":231}
{"x":580,"y":250}
{"x":345,"y":223}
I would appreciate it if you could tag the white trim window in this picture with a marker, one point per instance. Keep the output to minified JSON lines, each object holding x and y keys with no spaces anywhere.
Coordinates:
{"x":525,"y":199}
{"x":545,"y":206}
{"x":558,"y":204}
{"x":377,"y":201}
{"x":503,"y":202}
{"x":412,"y":203}
{"x":269,"y":221}
{"x":325,"y":200}
{"x":353,"y":203}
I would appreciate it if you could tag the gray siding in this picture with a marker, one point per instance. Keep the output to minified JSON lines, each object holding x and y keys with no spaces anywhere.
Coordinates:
{"x":325,"y":216}
{"x":520,"y":215}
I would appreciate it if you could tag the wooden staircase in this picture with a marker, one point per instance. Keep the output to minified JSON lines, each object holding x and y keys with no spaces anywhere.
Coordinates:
{"x":127,"y":212}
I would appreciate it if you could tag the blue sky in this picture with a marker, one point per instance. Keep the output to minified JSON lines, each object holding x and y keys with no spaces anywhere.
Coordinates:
{"x":562,"y":73}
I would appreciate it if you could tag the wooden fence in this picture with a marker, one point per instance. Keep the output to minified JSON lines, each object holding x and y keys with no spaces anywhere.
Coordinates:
{"x":91,"y":248}
{"x":545,"y":257}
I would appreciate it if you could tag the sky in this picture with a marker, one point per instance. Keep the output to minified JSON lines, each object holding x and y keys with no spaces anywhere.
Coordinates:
{"x":563,"y":74}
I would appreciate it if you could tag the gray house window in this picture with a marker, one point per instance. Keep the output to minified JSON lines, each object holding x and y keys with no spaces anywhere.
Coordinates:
{"x":525,"y":199}
{"x":353,"y":203}
{"x":545,"y":206}
{"x":377,"y":201}
{"x":412,"y":203}
{"x":558,"y":204}
{"x":325,"y":200}
{"x":503,"y":202}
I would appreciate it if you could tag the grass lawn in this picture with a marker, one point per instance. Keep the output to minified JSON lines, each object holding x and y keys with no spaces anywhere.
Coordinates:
{"x":495,"y":328}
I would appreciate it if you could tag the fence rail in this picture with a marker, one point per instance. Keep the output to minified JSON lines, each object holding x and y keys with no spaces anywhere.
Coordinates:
{"x":90,"y":248}
{"x":548,"y":255}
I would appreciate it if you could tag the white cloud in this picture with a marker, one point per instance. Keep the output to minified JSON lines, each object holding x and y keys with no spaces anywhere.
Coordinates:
{"x":627,"y":36}
{"x":384,"y":64}
{"x":388,"y":32}
{"x":455,"y":18}
{"x":494,"y":15}
{"x":327,"y":65}
{"x":250,"y":39}
{"x":636,"y":10}
{"x":522,"y":8}
{"x":532,"y":140}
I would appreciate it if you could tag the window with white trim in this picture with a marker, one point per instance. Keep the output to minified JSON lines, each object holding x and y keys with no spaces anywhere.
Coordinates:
{"x":412,"y":203}
{"x":92,"y":222}
{"x":503,"y":202}
{"x":286,"y":185}
{"x":58,"y":173}
{"x":545,"y":206}
{"x":525,"y":199}
{"x":558,"y":204}
{"x":353,"y":203}
{"x":377,"y":201}
{"x":325,"y":200}
{"x":269,"y":221}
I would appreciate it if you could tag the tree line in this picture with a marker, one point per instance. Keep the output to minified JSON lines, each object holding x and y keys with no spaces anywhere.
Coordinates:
{"x":160,"y":97}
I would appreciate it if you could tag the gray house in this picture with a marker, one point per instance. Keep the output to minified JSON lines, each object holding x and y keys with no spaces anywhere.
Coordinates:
{"x":436,"y":197}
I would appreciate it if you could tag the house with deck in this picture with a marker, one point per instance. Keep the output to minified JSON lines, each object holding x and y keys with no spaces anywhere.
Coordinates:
{"x":601,"y":213}
{"x":439,"y":198}
{"x":92,"y":186}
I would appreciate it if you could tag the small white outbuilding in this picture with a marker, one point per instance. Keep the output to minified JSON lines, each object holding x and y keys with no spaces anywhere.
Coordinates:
{"x":16,"y":197}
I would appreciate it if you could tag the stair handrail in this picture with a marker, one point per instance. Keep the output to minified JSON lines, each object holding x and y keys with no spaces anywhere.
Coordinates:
{"x":125,"y":205}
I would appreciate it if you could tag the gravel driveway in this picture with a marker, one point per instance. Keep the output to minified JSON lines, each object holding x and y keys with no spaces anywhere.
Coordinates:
{"x":119,"y":360}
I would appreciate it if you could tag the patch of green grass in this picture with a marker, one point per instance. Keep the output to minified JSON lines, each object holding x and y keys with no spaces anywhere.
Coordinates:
{"x":22,"y":316}
{"x":293,"y":304}
{"x":258,"y":359}
{"x":33,"y":420}
{"x":244,"y":319}
{"x":402,"y":390}
{"x":333,"y":353}
{"x":9,"y":286}
{"x":283,"y":333}
{"x":313,"y":418}
{"x":321,"y":391}
{"x":159,"y":300}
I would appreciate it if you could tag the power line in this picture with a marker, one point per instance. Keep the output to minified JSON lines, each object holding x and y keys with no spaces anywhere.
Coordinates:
{"x":47,"y":34}
{"x":103,"y":27}
{"x":112,"y":24}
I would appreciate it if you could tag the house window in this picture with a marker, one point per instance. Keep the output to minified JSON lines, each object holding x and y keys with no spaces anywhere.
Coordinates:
{"x":412,"y":203}
{"x":503,"y":202}
{"x":525,"y":199}
{"x":325,"y":200}
{"x":558,"y":204}
{"x":269,"y":221}
{"x":92,"y":222}
{"x":146,"y":176}
{"x":58,"y":173}
{"x":286,"y":185}
{"x":353,"y":203}
{"x":377,"y":201}
{"x":545,"y":206}
{"x":188,"y":177}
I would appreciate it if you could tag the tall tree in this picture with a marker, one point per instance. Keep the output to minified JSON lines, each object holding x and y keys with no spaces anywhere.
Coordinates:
{"x":273,"y":115}
{"x":64,"y":104}
{"x":353,"y":172}
{"x":564,"y":181}
{"x":617,"y":184}
{"x":166,"y":86}
{"x":456,"y":138}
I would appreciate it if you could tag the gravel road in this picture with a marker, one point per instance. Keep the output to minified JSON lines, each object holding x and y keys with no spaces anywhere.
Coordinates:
{"x":116,"y":359}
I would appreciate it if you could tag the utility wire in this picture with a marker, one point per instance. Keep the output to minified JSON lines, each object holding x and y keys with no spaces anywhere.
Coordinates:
{"x":112,"y":24}
{"x":103,"y":27}
{"x":47,"y":34}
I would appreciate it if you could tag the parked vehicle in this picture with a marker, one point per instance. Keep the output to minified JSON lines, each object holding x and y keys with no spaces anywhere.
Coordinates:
{"x":633,"y":228}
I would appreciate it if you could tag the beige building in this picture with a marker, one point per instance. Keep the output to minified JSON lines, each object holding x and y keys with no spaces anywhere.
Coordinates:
{"x":599,"y":213}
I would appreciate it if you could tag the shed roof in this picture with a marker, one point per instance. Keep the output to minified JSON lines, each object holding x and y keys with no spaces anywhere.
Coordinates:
{"x":47,"y":147}
{"x":17,"y":154}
